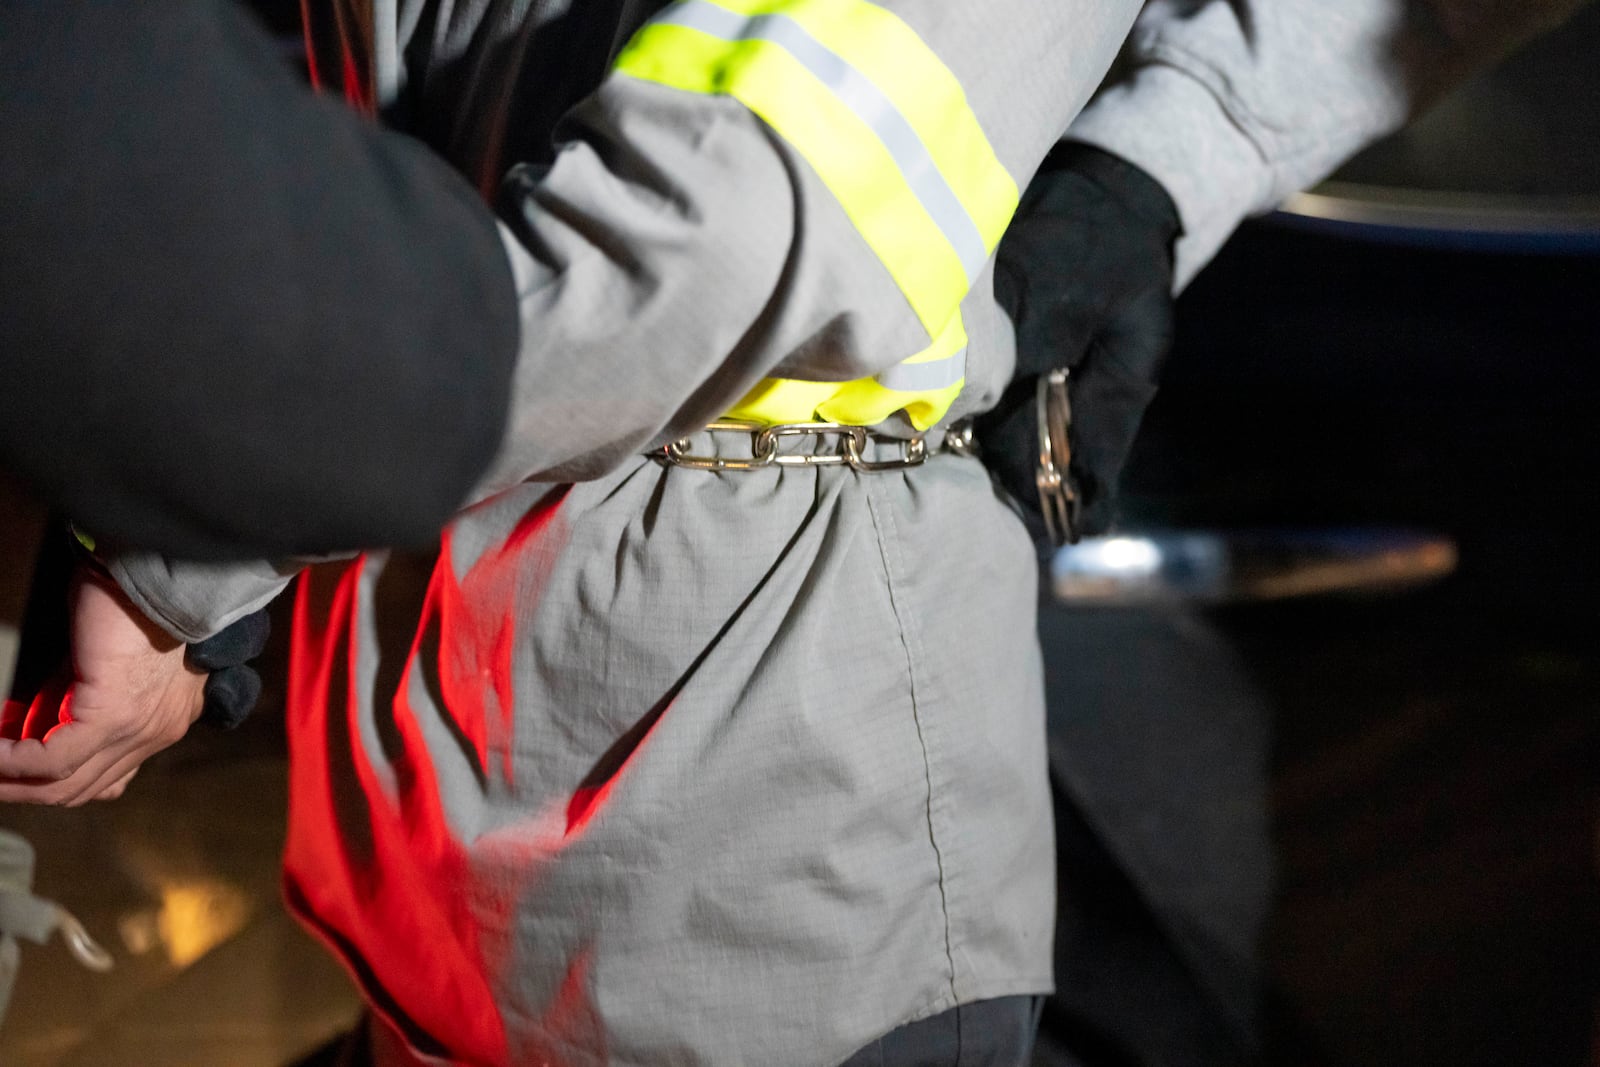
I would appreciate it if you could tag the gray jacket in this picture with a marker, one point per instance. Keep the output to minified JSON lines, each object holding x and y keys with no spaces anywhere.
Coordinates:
{"x":667,"y":766}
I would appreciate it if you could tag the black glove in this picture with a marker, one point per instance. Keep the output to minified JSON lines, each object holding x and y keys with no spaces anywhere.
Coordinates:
{"x":1085,"y":272}
{"x":234,"y":687}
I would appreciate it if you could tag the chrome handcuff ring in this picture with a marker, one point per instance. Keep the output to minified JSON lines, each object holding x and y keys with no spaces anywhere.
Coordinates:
{"x":1058,"y":497}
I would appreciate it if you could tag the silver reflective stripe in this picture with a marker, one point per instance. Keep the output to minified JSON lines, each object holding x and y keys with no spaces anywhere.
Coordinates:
{"x":855,"y":91}
{"x":923,"y":377}
{"x":386,"y":70}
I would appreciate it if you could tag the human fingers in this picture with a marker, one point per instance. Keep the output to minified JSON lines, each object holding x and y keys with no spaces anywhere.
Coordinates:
{"x":13,"y":715}
{"x":230,"y":694}
{"x":46,"y":709}
{"x":57,"y":768}
{"x":85,"y":753}
{"x":1110,"y":393}
{"x":112,"y":774}
{"x":108,"y":768}
{"x":117,"y":788}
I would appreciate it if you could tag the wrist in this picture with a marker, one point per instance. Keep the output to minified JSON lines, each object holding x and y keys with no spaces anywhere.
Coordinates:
{"x":1124,"y":181}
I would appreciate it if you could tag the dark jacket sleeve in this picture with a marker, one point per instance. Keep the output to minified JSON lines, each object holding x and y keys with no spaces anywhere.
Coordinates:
{"x":235,"y":318}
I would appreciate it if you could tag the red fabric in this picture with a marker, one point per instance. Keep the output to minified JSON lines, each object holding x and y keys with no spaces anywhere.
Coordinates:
{"x":339,"y":50}
{"x":311,"y":45}
{"x":370,"y":861}
{"x":371,"y":864}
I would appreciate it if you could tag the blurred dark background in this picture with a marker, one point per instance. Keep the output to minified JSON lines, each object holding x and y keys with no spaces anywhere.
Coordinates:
{"x":1402,"y":788}
{"x":1434,"y":754}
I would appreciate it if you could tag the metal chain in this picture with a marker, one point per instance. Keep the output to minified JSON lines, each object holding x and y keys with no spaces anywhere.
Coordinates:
{"x":851,"y":445}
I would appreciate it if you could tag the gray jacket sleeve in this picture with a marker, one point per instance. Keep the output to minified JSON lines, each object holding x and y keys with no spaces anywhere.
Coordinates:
{"x":1236,"y":105}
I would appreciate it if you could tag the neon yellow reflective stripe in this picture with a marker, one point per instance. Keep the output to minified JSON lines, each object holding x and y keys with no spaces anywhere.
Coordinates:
{"x":850,"y":160}
{"x":877,"y":43}
{"x":858,"y":403}
{"x":870,"y":400}
{"x":888,"y":129}
{"x":865,"y":401}
{"x":858,"y":93}
{"x":776,"y":400}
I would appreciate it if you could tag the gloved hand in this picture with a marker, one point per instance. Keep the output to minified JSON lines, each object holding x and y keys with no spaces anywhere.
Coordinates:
{"x":233,"y":687}
{"x":1085,"y":272}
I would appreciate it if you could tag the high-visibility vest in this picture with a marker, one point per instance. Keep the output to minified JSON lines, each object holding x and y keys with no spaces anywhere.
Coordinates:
{"x":888,"y":129}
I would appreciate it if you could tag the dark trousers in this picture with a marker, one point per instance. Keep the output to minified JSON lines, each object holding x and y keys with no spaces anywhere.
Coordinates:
{"x":986,"y":1033}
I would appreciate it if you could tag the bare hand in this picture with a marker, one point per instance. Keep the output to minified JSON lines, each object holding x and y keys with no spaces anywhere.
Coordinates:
{"x":130,"y":696}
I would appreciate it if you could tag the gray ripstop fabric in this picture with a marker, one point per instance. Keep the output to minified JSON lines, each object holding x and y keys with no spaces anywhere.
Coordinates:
{"x":817,"y":825}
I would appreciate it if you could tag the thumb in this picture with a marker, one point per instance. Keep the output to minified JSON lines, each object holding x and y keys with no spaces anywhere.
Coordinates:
{"x":1111,"y":390}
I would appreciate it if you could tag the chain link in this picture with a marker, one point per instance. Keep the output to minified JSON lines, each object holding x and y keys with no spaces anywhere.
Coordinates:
{"x":850,"y":447}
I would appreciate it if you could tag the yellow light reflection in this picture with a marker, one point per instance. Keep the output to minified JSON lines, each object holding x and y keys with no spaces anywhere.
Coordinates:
{"x":196,"y":916}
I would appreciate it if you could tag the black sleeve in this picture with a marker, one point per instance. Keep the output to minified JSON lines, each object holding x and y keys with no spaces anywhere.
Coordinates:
{"x":234,"y":318}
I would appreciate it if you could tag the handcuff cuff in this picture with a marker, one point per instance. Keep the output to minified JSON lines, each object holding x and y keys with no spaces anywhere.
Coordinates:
{"x":1059,"y":501}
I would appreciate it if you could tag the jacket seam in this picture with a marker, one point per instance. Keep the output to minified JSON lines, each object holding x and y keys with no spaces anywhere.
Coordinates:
{"x":887,"y":536}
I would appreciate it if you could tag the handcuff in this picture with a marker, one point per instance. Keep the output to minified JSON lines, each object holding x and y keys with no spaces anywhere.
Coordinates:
{"x":1058,"y":497}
